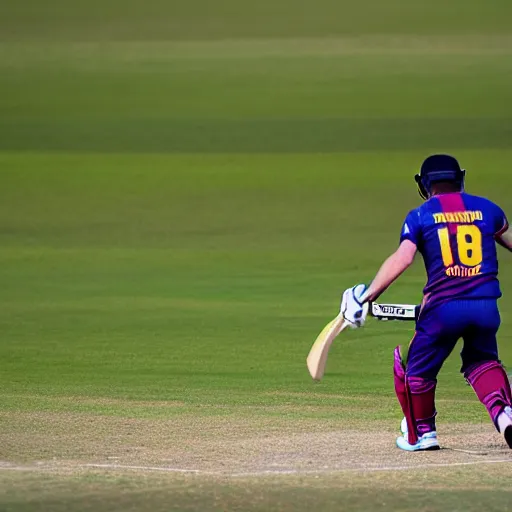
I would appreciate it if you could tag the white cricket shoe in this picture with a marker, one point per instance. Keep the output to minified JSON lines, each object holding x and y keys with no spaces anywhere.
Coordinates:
{"x":427,"y":441}
{"x":505,"y":425}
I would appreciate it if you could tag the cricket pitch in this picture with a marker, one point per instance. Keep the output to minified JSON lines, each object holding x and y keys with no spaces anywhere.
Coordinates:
{"x":80,"y":461}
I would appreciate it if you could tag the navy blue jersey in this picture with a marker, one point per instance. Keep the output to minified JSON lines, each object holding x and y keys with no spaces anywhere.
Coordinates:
{"x":456,"y":234}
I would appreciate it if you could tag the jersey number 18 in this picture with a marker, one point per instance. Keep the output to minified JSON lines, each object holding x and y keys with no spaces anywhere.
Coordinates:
{"x":469,"y":245}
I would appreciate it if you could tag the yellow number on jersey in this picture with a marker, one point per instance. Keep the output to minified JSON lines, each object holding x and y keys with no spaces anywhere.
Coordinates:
{"x":469,"y":245}
{"x":469,"y":242}
{"x":446,"y":250}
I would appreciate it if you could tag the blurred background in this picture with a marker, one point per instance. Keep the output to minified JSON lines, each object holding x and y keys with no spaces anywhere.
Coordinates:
{"x":187,"y":186}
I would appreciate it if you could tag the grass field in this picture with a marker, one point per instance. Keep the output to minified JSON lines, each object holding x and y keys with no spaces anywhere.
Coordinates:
{"x":185,"y":190}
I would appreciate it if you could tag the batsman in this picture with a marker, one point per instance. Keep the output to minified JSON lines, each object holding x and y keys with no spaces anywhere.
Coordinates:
{"x":456,"y":233}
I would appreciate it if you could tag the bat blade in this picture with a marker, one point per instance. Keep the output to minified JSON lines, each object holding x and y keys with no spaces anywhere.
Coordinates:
{"x":317,"y":357}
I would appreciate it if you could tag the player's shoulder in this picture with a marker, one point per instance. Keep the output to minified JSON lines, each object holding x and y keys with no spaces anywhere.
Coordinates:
{"x":427,"y":208}
{"x":474,"y":202}
{"x":414,"y":214}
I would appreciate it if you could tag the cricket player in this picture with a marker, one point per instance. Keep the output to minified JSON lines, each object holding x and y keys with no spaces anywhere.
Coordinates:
{"x":456,"y":233}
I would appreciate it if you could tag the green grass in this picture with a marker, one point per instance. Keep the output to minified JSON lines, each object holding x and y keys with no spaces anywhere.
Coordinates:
{"x":185,"y":190}
{"x":201,"y":273}
{"x":198,"y":19}
{"x":95,"y":492}
{"x":330,"y":96}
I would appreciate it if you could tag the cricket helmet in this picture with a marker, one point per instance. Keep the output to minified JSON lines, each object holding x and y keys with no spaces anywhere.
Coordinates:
{"x":438,"y":168}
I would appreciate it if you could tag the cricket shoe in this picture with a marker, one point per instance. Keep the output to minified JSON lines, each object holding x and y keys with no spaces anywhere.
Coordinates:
{"x":505,"y":425}
{"x":426,"y":442}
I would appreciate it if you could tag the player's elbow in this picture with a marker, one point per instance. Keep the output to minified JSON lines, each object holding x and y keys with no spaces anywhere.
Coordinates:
{"x":505,"y":239}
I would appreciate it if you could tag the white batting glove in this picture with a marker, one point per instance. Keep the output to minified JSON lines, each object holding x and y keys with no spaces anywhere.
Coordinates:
{"x":352,"y":306}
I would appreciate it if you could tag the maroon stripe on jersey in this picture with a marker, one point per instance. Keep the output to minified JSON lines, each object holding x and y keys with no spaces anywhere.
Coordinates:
{"x":451,"y":203}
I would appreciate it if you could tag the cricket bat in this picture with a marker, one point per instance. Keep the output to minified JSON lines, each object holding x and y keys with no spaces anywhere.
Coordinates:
{"x":317,"y":357}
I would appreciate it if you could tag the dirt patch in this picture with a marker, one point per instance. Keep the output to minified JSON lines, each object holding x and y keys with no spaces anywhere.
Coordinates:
{"x":80,"y":462}
{"x":229,"y":445}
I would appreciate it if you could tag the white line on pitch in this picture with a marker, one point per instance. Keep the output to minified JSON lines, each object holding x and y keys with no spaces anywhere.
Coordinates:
{"x":268,"y":472}
{"x":50,"y":467}
{"x":367,"y":470}
{"x":146,"y":468}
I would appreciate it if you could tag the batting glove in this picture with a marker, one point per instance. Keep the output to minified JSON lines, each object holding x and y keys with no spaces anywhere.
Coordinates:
{"x":352,"y":306}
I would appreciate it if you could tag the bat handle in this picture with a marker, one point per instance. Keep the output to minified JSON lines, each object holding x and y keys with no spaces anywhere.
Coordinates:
{"x":365,"y":298}
{"x":344,"y":325}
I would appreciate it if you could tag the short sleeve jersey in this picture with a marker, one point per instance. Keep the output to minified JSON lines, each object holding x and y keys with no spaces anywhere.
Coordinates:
{"x":456,"y":234}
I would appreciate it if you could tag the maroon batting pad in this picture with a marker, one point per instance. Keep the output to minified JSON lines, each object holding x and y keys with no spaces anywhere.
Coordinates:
{"x":403,"y":395}
{"x":423,"y":397}
{"x":491,"y":386}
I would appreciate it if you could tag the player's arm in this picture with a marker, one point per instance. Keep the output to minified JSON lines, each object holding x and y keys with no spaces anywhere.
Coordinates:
{"x":504,"y":237}
{"x":502,"y":232}
{"x":392,"y":269}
